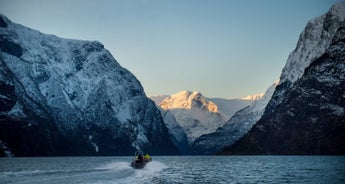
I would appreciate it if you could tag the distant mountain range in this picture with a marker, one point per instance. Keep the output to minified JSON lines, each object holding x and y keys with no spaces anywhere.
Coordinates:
{"x":193,"y":115}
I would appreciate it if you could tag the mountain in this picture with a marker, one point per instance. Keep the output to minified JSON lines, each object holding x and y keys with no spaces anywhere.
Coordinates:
{"x":306,"y":113}
{"x":194,"y":113}
{"x":228,"y":107}
{"x":239,"y":124}
{"x":312,"y":43}
{"x":176,"y":132}
{"x":190,"y":114}
{"x":71,"y":97}
{"x":253,"y":97}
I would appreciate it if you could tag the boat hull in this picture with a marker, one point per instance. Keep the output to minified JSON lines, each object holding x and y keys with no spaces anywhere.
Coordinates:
{"x":138,"y":165}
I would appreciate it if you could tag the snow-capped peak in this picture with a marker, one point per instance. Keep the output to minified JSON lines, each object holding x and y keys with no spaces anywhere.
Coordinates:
{"x":253,"y":97}
{"x":313,"y":42}
{"x":194,"y":113}
{"x":188,"y":100}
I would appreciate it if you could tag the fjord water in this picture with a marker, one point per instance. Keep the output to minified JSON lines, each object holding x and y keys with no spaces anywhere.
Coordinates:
{"x":176,"y":169}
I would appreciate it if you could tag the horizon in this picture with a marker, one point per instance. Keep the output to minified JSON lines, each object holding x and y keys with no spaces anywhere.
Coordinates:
{"x":227,"y":49}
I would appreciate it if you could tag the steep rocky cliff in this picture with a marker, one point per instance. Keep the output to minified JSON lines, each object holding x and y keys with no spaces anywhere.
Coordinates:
{"x":71,"y":97}
{"x":307,"y":112}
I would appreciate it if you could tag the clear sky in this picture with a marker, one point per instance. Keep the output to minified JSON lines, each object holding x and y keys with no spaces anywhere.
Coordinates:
{"x":222,"y":48}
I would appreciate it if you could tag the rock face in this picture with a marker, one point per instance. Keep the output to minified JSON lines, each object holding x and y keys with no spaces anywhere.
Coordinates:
{"x":176,"y":132}
{"x":312,"y":43}
{"x":70,"y":97}
{"x":306,"y":114}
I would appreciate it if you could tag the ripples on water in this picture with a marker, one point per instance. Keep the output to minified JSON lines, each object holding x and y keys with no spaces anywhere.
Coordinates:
{"x":179,"y":169}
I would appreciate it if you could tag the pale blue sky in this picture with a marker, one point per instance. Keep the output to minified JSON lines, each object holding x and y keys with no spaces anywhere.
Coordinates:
{"x":222,"y":48}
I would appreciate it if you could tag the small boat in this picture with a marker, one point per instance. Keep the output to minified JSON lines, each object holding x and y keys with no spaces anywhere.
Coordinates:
{"x":136,"y":164}
{"x":140,"y":161}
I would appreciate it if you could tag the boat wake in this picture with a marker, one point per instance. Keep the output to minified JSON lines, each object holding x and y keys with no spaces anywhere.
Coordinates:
{"x":113,"y":172}
{"x":149,"y":174}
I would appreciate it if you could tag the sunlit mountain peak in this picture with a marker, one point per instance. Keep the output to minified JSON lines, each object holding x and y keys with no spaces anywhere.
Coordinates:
{"x":187,"y":100}
{"x":253,"y":97}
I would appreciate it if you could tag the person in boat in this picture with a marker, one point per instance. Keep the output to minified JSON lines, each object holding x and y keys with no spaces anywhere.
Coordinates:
{"x":140,"y":158}
{"x":147,"y":158}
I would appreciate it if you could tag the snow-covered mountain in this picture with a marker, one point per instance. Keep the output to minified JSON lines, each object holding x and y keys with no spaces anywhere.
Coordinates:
{"x":235,"y":128}
{"x":228,"y":107}
{"x":196,"y":114}
{"x":71,"y":97}
{"x":253,"y":97}
{"x":176,"y":132}
{"x":306,"y":113}
{"x":312,"y":43}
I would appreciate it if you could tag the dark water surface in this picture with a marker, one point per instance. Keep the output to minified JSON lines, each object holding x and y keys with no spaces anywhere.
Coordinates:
{"x":176,"y":169}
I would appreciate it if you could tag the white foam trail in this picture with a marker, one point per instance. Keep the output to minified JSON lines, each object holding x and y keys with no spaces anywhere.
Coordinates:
{"x":148,"y":173}
{"x":154,"y":167}
{"x":116,"y":166}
